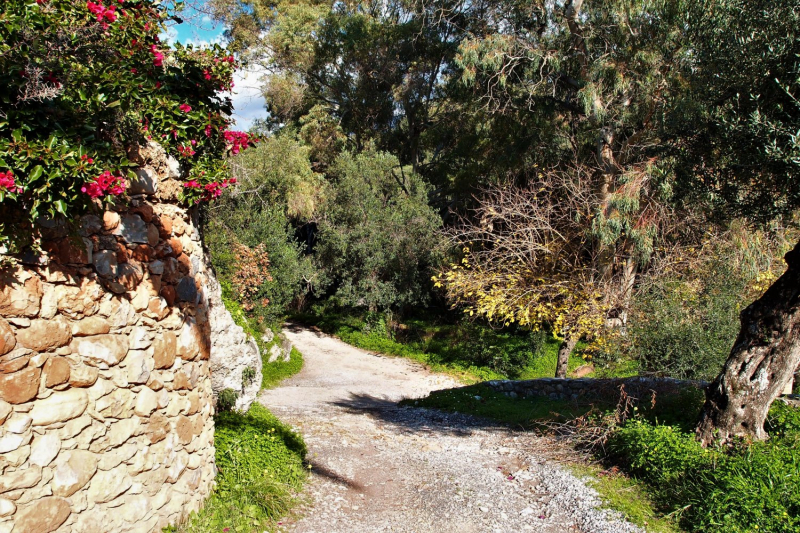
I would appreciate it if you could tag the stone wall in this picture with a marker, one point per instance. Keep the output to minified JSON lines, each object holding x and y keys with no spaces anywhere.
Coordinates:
{"x":591,"y":389}
{"x":106,"y":398}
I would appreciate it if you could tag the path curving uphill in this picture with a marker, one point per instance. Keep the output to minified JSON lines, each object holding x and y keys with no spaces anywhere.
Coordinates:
{"x":379,"y":467}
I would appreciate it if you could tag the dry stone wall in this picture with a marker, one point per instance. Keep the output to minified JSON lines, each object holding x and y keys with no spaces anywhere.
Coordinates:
{"x":591,"y":389}
{"x":106,"y":399}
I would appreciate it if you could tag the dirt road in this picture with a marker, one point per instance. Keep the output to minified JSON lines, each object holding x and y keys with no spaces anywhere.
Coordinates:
{"x":380,"y":467}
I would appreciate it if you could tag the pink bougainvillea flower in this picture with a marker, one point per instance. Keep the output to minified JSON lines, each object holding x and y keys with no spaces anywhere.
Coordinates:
{"x":7,"y":182}
{"x":238,"y":140}
{"x":192,"y":184}
{"x":94,"y":9}
{"x":105,"y":184}
{"x":208,"y":130}
{"x":109,"y":13}
{"x":186,"y":151}
{"x":158,"y":57}
{"x":185,"y":108}
{"x":206,"y":74}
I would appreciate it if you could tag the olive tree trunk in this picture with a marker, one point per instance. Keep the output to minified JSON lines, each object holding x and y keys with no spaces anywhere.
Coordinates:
{"x":761,"y":363}
{"x":563,"y":354}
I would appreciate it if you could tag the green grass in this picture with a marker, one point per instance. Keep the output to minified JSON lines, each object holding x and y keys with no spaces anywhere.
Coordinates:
{"x":741,"y":488}
{"x":261,"y":467}
{"x":273,"y":373}
{"x":625,"y":495}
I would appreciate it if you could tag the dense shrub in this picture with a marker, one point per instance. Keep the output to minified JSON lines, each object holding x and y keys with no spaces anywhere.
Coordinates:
{"x":752,"y":487}
{"x":683,"y":320}
{"x":270,"y":290}
{"x":277,"y":192}
{"x":377,"y":238}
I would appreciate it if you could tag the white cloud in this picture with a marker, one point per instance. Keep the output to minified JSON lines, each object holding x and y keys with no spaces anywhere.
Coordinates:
{"x":248,"y":101}
{"x":169,"y":35}
{"x":203,"y":43}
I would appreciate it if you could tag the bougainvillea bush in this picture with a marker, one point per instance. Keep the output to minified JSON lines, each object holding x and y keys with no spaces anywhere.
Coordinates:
{"x":82,"y":82}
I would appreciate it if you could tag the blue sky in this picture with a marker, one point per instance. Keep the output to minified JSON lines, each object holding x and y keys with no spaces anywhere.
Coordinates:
{"x":199,"y":29}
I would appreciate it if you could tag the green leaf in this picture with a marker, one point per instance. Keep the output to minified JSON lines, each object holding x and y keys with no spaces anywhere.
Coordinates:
{"x":113,"y":104}
{"x":36,"y":172}
{"x":61,"y":206}
{"x":16,"y":135}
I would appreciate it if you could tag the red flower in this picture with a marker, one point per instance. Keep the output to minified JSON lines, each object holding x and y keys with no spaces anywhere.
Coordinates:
{"x":7,"y":182}
{"x":185,"y":108}
{"x":158,"y":57}
{"x":104,"y":184}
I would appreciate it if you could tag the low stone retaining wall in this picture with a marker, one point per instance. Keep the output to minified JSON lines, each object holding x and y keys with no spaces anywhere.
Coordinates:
{"x":106,"y":397}
{"x":591,"y":389}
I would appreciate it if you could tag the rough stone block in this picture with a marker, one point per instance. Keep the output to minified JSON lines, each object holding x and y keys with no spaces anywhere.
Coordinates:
{"x":108,"y":349}
{"x":145,"y":182}
{"x":56,"y":371}
{"x":7,"y":338}
{"x":59,"y":407}
{"x":42,"y":516}
{"x":21,"y":386}
{"x":132,"y":229}
{"x":20,"y":294}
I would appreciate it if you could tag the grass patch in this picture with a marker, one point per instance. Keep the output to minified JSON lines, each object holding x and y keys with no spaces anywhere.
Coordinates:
{"x":260,"y":463}
{"x":625,"y":495}
{"x":274,"y":373}
{"x":744,"y":488}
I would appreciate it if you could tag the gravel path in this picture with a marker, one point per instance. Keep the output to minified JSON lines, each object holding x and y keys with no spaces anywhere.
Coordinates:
{"x":380,"y":467}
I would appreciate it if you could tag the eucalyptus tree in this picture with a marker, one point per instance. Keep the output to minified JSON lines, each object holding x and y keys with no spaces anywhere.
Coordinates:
{"x":369,"y":74}
{"x":590,"y":81}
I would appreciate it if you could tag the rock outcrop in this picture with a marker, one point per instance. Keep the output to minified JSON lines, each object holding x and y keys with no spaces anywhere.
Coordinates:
{"x":235,"y":358}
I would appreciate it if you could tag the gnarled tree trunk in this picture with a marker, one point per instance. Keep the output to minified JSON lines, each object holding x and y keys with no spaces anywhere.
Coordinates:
{"x":570,"y":340}
{"x":761,"y":363}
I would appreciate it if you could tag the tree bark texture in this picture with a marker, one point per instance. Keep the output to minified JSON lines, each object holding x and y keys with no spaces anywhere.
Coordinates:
{"x":761,"y":363}
{"x":563,"y":354}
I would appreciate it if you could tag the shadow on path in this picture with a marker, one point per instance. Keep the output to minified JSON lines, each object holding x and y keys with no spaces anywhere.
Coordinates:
{"x":323,"y":471}
{"x":416,"y":419}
